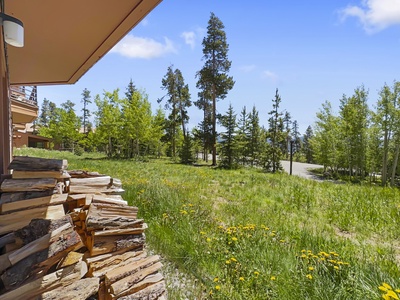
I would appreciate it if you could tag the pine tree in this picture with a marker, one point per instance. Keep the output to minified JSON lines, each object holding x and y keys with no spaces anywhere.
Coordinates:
{"x":213,"y":79}
{"x":243,"y":136}
{"x":307,"y":149}
{"x":228,"y":154}
{"x":130,"y":90}
{"x":276,"y":135}
{"x":296,"y":137}
{"x":287,"y":121}
{"x":86,"y":112}
{"x":256,"y":140}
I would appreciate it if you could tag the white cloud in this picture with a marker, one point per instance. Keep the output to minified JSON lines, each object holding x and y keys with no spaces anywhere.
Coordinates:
{"x":247,"y":68}
{"x":138,"y":47}
{"x":190,"y":38}
{"x":374,"y":15}
{"x":270,"y":76}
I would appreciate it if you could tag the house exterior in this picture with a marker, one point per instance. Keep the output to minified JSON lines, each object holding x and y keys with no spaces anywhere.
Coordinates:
{"x":62,"y":41}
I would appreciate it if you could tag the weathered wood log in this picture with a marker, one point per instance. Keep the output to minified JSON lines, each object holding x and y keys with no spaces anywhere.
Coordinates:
{"x":14,"y":221}
{"x":7,"y":239}
{"x":28,"y":185}
{"x":70,"y":259}
{"x":104,"y":244}
{"x":98,"y":268}
{"x":103,"y":217}
{"x":38,"y":228}
{"x":33,"y":247}
{"x":84,"y":174}
{"x":81,"y":289}
{"x":26,"y":163}
{"x":136,"y":282}
{"x":154,"y":291}
{"x":80,"y":189}
{"x":12,"y":197}
{"x":36,"y":202}
{"x":40,"y":174}
{"x":102,"y":181}
{"x":134,"y":266}
{"x":37,"y":264}
{"x":138,"y":228}
{"x":59,"y":278}
{"x":109,"y":200}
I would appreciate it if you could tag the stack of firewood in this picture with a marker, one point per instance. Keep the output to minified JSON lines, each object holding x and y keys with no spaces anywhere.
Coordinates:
{"x":86,"y":244}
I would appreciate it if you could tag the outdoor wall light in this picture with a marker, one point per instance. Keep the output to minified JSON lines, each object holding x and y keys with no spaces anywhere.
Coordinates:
{"x":13,"y":30}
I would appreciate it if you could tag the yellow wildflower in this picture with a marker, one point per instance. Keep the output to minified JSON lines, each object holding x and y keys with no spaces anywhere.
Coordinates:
{"x":309,"y":276}
{"x":392,"y":295}
{"x":311,"y":268}
{"x":233,"y":259}
{"x":228,"y":262}
{"x":387,"y":286}
{"x":217,"y":287}
{"x":336,"y":267}
{"x":256,"y":273}
{"x":273,"y":278}
{"x":216,"y":279}
{"x":241,"y":278}
{"x":208,"y":240}
{"x":234,"y":239}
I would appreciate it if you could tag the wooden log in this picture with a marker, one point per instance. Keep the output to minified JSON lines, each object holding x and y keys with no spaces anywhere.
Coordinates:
{"x":33,"y":247}
{"x":138,"y":229}
{"x":26,"y":163}
{"x":81,"y":289}
{"x":38,"y":228}
{"x":14,"y":221}
{"x":71,"y":259}
{"x":99,"y":268}
{"x":40,"y":174}
{"x":84,"y":174}
{"x":12,"y":197}
{"x":91,"y":182}
{"x":104,"y":244}
{"x":153,"y":291}
{"x":136,"y":282}
{"x":109,"y":200}
{"x":37,"y":264}
{"x":31,"y":203}
{"x":59,"y":278}
{"x":80,"y":189}
{"x":28,"y":185}
{"x":7,"y":239}
{"x":130,"y":268}
{"x":103,"y":217}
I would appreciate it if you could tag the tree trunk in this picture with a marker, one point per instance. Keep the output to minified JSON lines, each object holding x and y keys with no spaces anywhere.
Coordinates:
{"x":214,"y":128}
{"x":396,"y":159}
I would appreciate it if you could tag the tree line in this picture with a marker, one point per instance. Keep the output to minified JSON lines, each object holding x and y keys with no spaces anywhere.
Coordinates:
{"x":357,"y":141}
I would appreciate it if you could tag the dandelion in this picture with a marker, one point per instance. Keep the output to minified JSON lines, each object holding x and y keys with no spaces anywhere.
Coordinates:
{"x":217,"y":287}
{"x":208,"y":240}
{"x":309,"y":276}
{"x":273,"y":278}
{"x":202,"y":233}
{"x":228,"y":262}
{"x":216,"y":279}
{"x":256,"y":273}
{"x":336,"y":267}
{"x":165,"y":215}
{"x":233,"y":259}
{"x":234,"y":239}
{"x":311,"y":268}
{"x":241,"y":278}
{"x":392,"y":295}
{"x":387,"y":286}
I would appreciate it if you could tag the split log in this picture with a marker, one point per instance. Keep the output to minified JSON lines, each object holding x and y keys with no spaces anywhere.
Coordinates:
{"x":131,"y":268}
{"x":83,"y":174}
{"x":81,"y":289}
{"x":28,"y":185}
{"x":75,"y":189}
{"x":109,"y":200}
{"x":33,"y":247}
{"x":105,"y":244}
{"x":134,"y":283}
{"x":14,"y":221}
{"x":12,"y":197}
{"x":154,"y":291}
{"x":101,"y":217}
{"x":91,"y":182}
{"x":98,"y":268}
{"x":37,"y":202}
{"x":40,"y":174}
{"x":59,"y":278}
{"x":26,"y":163}
{"x":138,"y":228}
{"x":37,"y":264}
{"x":7,"y":239}
{"x":71,"y":259}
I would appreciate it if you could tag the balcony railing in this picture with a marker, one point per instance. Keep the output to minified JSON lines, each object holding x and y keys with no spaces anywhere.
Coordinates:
{"x":26,"y":94}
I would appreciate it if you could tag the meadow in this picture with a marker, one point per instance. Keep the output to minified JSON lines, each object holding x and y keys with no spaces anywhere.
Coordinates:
{"x":246,"y":234}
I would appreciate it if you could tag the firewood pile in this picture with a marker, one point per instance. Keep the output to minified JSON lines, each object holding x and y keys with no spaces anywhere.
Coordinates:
{"x":71,"y":235}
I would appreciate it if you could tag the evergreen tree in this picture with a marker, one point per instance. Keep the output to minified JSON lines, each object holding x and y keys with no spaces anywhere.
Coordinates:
{"x":243,"y":135}
{"x":204,"y":132}
{"x":228,"y":154}
{"x":213,"y":79}
{"x":130,"y":90}
{"x":296,"y":137}
{"x":256,"y":140}
{"x":276,"y":135}
{"x":307,"y":149}
{"x":86,"y":112}
{"x":287,"y":121}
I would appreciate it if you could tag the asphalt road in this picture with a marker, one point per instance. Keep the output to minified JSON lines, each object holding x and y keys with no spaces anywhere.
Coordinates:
{"x":300,"y":169}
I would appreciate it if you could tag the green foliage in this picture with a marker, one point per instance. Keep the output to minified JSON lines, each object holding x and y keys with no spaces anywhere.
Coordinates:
{"x":229,"y":144}
{"x":245,"y":234}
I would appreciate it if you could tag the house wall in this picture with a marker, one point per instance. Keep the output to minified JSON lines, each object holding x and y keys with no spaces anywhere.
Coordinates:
{"x":5,"y":113}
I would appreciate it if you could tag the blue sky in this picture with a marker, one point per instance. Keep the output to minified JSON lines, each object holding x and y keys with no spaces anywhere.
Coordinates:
{"x":310,"y":50}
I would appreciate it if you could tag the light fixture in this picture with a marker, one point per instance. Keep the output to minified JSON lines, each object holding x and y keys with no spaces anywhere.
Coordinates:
{"x":13,"y":30}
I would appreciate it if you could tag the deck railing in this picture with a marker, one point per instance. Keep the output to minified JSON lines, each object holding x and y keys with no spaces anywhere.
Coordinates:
{"x":26,"y":94}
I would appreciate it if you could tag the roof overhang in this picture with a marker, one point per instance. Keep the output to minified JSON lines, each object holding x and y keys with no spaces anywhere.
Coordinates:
{"x":64,"y":39}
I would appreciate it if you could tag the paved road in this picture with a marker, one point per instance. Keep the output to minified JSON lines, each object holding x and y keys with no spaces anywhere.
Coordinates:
{"x":301,"y":169}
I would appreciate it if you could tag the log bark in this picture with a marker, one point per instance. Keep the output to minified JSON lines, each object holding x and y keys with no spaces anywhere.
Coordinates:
{"x":134,"y":283}
{"x":40,"y":174}
{"x":131,"y":268}
{"x":154,"y":291}
{"x":105,"y":244}
{"x":59,"y":278}
{"x":26,"y":163}
{"x":17,"y":220}
{"x":12,"y":197}
{"x":81,"y":289}
{"x":32,"y":203}
{"x":28,"y":185}
{"x":108,"y":217}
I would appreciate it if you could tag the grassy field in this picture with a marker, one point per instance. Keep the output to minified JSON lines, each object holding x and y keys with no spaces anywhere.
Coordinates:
{"x":245,"y":234}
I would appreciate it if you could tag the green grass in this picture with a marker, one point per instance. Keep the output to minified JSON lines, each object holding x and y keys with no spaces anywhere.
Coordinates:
{"x":245,"y":234}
